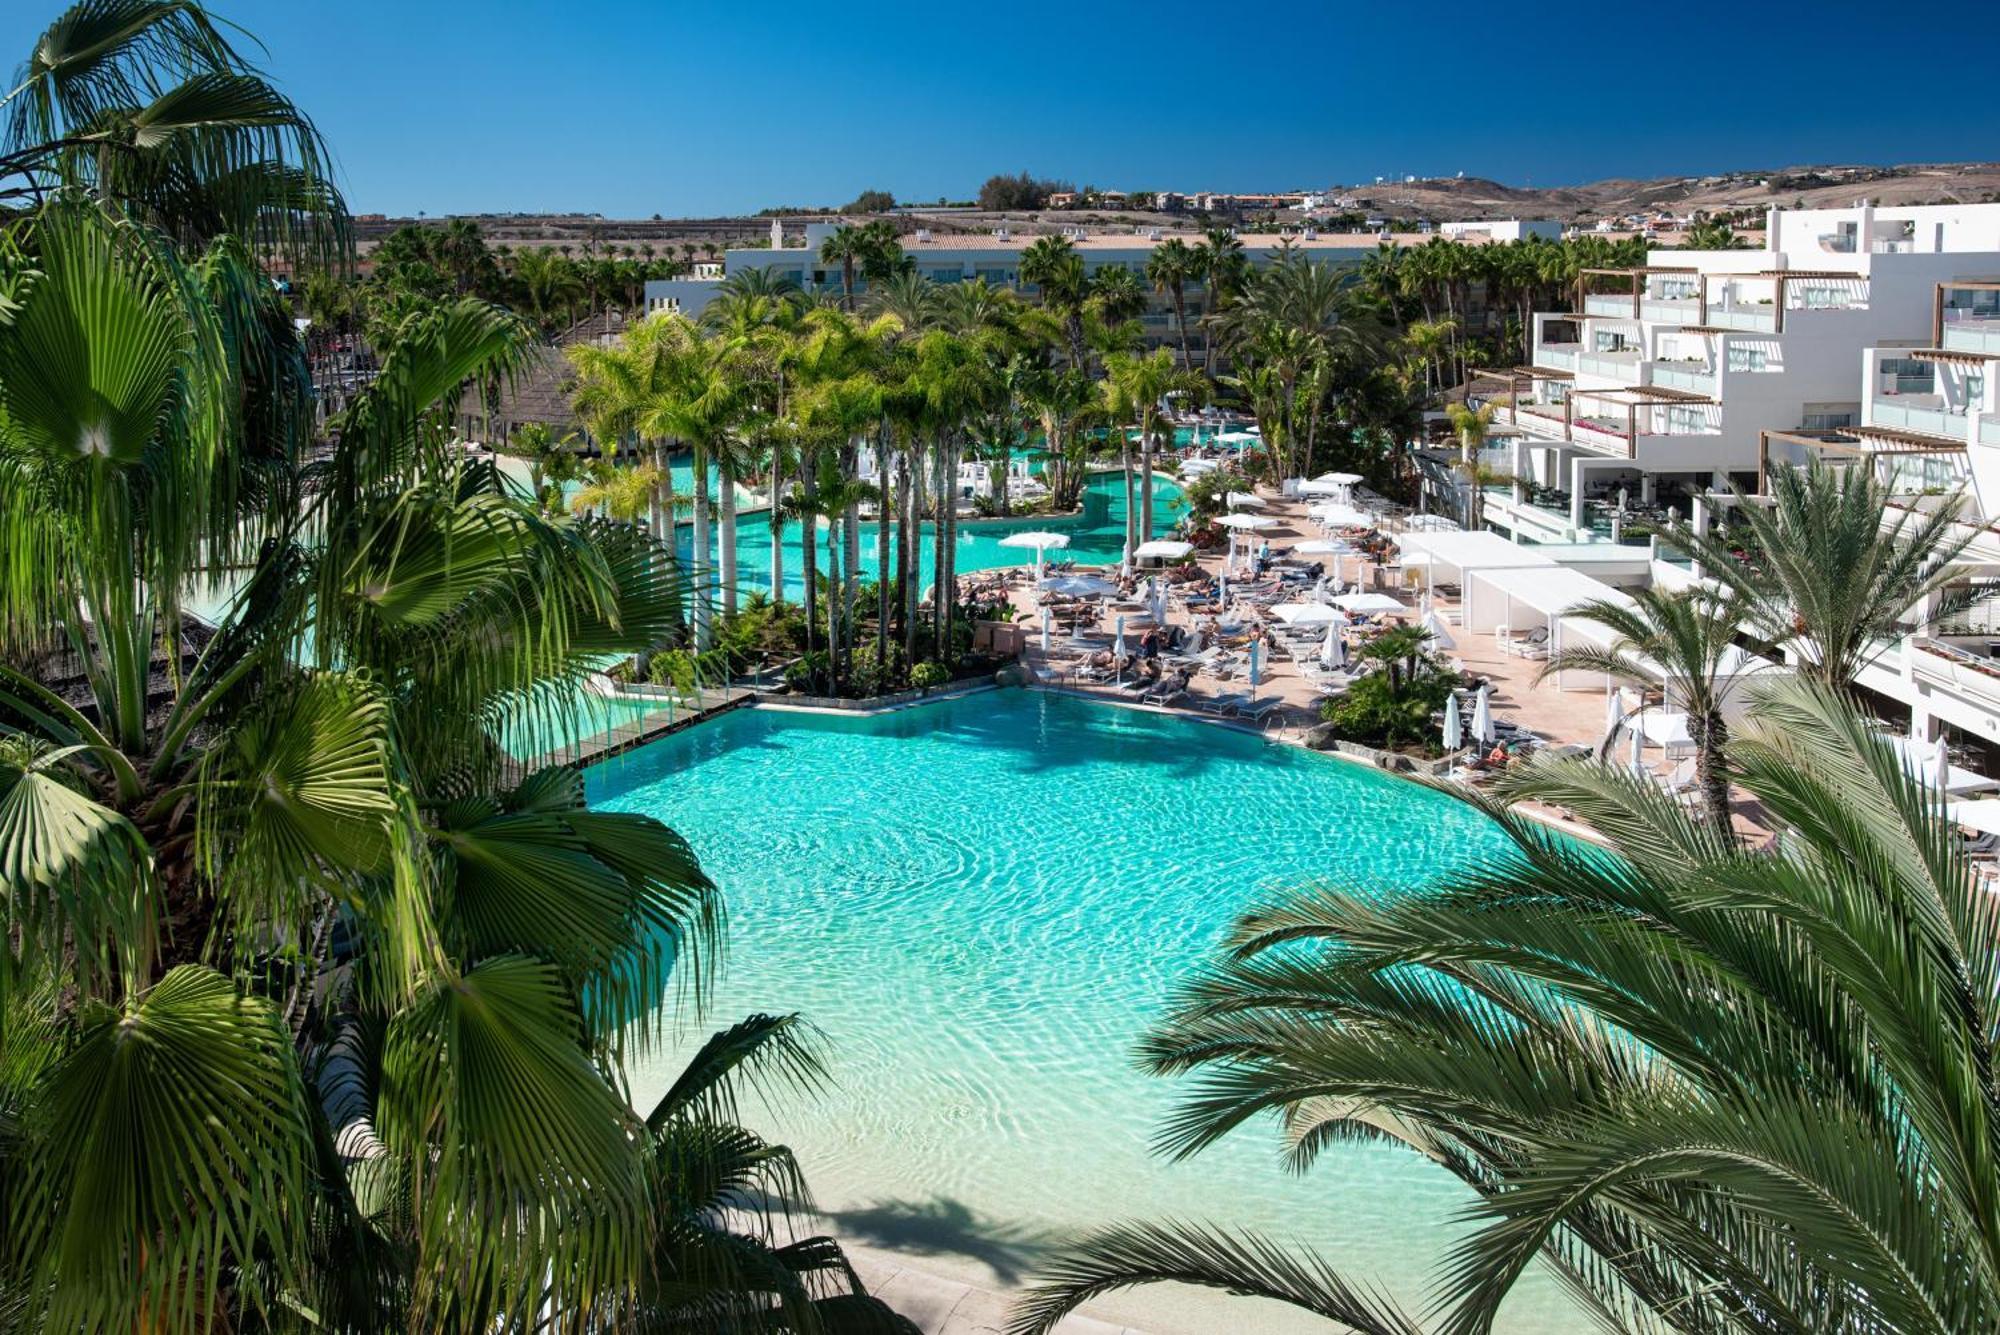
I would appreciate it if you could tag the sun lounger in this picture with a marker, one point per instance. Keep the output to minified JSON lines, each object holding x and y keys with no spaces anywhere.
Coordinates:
{"x":1255,"y":710}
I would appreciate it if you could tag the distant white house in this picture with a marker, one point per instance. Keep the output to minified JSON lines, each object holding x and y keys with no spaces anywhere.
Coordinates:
{"x":1502,"y":229}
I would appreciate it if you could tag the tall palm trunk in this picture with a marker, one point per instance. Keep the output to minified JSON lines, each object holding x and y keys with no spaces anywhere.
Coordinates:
{"x":948,"y":567}
{"x":660,"y":514}
{"x":1131,"y":509}
{"x":909,"y":557}
{"x":728,"y":484}
{"x":777,"y":527}
{"x":1711,"y":738}
{"x":850,"y":556}
{"x":1180,"y":323}
{"x":944,"y":499}
{"x":808,"y":545}
{"x":885,"y":511}
{"x":703,"y":592}
{"x":834,"y":628}
{"x":1145,"y":480}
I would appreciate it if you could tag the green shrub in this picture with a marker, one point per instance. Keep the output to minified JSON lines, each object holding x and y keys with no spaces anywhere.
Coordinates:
{"x":924,"y":676}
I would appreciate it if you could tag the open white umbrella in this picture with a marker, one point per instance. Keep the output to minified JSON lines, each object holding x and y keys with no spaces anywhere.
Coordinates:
{"x":1321,"y":487}
{"x":1040,"y":541}
{"x":1305,"y":614}
{"x":1436,"y":632}
{"x":1244,"y":500}
{"x":1482,"y":716}
{"x":1323,"y":547}
{"x":1339,"y":479}
{"x":1080,"y":586}
{"x":1336,"y":515}
{"x":1162,"y":549}
{"x":1453,"y":734}
{"x":1246,"y":523}
{"x":1367,"y":602}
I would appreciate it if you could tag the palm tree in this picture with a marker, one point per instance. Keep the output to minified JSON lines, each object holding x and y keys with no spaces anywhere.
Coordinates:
{"x":1051,"y":264}
{"x":552,"y":460}
{"x":549,"y":283}
{"x":288,"y":891}
{"x":1685,"y":642}
{"x":148,"y":103}
{"x":1711,"y":1089}
{"x":1171,"y":267}
{"x":1134,"y":388}
{"x":1832,"y":576}
{"x":847,"y":247}
{"x":1711,"y":234}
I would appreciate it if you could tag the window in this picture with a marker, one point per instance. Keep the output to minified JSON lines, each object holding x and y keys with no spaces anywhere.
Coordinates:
{"x":1685,"y":419}
{"x":1748,"y":359}
{"x":1678,"y":289}
{"x":1827,"y":419}
{"x":1907,"y":375}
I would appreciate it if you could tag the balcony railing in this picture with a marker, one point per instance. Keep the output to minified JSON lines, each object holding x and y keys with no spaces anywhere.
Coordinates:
{"x":1989,"y":428}
{"x":1625,"y":369}
{"x":1676,"y":377}
{"x":1972,"y":335}
{"x":1616,"y":306}
{"x":1557,"y":357}
{"x":1756,"y":319}
{"x":1908,"y":417}
{"x":1671,"y":310}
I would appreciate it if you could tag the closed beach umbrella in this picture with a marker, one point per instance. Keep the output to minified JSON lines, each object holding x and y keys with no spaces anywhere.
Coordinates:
{"x":1434,"y":630}
{"x":1452,"y":733}
{"x":1482,"y":716}
{"x":1941,"y":768}
{"x":1256,"y":665}
{"x":1612,"y":712}
{"x":1045,"y":630}
{"x":1638,"y":764}
{"x":1118,"y":646}
{"x":1222,"y":590}
{"x":1333,"y":653}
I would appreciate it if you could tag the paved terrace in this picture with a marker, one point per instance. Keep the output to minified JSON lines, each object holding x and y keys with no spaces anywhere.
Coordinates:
{"x":1553,"y":717}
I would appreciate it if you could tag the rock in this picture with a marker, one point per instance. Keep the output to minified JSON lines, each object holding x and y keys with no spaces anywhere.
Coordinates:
{"x":1014,"y":674}
{"x":1320,"y":737}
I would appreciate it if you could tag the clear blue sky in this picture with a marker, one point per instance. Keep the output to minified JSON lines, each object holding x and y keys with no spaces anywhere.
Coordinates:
{"x":631,"y":107}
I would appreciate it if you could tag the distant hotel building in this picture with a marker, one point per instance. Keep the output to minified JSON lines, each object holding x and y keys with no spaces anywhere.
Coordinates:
{"x":996,"y":258}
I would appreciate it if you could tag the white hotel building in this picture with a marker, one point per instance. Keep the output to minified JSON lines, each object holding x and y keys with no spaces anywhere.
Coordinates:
{"x":1866,"y":336}
{"x":1667,"y":379}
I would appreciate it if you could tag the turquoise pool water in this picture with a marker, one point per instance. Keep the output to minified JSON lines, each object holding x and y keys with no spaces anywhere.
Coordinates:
{"x":1097,"y":537}
{"x":983,"y":903}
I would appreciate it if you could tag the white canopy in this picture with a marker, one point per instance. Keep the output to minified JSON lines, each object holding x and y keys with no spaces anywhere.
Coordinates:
{"x":1162,"y":549}
{"x":1458,"y":554}
{"x":1321,"y":487}
{"x":1037,"y":540}
{"x":1244,"y":500}
{"x":1430,"y":524}
{"x":1368,"y":602}
{"x":1246,"y":521}
{"x":1981,"y":814}
{"x":1198,"y":465}
{"x":1920,"y":760}
{"x":1531,"y":595}
{"x":1339,"y":479}
{"x":1305,"y":614}
{"x":1323,"y":547}
{"x":1663,"y":728}
{"x":1237,"y":438}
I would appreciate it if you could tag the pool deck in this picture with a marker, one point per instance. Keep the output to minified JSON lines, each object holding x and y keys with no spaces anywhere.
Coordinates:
{"x":1559,"y":717}
{"x":939,"y":1306}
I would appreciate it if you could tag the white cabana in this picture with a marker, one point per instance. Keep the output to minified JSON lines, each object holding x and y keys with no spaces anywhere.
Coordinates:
{"x":1451,"y":556}
{"x":1735,"y":662}
{"x":1528,"y":598}
{"x":1368,"y":602}
{"x":1305,"y":614}
{"x":1245,"y":500}
{"x":1040,"y":541}
{"x":1430,"y":524}
{"x":1162,"y":549}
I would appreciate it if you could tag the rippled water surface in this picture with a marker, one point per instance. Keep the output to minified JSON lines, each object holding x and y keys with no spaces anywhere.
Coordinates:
{"x":983,"y":904}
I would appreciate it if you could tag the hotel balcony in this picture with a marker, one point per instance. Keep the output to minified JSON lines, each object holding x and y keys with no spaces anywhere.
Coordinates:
{"x":1970,"y":333}
{"x":1939,"y":393}
{"x":1558,"y":356}
{"x":1671,"y":310}
{"x":1616,"y":306}
{"x":1966,"y":317}
{"x":1760,"y":303}
{"x":1626,"y":366}
{"x":1689,"y":377}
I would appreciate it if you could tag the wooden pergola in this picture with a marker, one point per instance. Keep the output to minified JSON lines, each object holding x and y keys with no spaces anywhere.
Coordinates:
{"x":1855,"y":442}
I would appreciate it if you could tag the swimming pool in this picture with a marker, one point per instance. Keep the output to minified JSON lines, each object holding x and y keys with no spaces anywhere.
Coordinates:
{"x":983,"y":903}
{"x":1096,"y":537}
